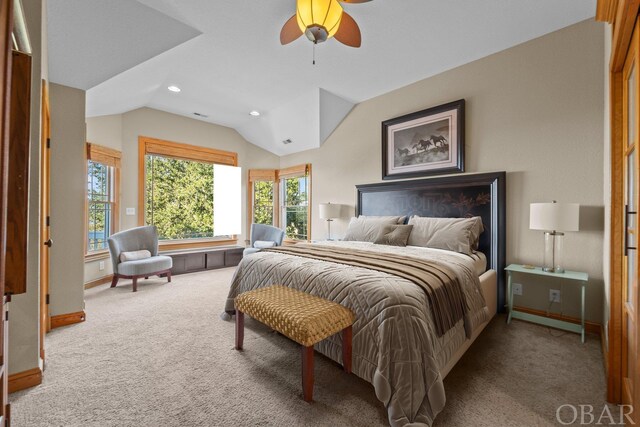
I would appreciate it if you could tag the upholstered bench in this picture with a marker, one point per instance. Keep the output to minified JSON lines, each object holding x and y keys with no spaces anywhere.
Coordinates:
{"x":304,"y":318}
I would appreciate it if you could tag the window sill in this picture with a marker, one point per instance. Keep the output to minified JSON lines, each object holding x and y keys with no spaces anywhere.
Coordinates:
{"x":193,"y":244}
{"x":294,"y":242}
{"x":94,"y":256}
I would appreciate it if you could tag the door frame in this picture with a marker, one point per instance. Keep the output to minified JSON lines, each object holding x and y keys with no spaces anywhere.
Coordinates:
{"x":45,"y":205}
{"x":622,"y":14}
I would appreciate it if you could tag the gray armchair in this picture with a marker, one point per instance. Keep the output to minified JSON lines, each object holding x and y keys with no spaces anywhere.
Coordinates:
{"x":263,"y":233}
{"x":137,"y":239}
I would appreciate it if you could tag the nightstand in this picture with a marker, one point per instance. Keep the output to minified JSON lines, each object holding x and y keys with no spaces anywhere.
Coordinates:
{"x":575,"y":277}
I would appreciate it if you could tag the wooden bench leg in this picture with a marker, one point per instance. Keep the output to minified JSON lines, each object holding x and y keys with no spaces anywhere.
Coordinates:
{"x":169,"y":276}
{"x":307,"y":373}
{"x":135,"y":284}
{"x":239,"y":329}
{"x":347,"y":335}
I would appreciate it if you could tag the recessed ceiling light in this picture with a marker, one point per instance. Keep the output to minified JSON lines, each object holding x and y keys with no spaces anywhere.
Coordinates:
{"x":254,"y":113}
{"x":174,"y":89}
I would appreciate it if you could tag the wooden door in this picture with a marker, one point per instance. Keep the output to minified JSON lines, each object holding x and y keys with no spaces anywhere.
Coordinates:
{"x":45,"y":224}
{"x":630,"y":111}
{"x":6,"y":28}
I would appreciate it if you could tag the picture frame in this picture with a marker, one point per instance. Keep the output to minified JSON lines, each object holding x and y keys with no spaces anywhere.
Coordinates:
{"x":424,"y":143}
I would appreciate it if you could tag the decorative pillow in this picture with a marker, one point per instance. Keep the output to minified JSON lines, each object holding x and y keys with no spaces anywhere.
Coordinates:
{"x":134,"y":255}
{"x":453,"y":234}
{"x":367,"y":228}
{"x":262,"y":244}
{"x":394,"y":235}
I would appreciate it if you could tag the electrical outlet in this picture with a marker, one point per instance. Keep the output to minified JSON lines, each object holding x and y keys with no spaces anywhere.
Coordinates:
{"x":554,"y":295}
{"x":101,"y":265}
{"x":131,"y":211}
{"x":517,"y":288}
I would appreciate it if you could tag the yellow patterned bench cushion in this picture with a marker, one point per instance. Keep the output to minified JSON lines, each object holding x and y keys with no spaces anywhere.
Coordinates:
{"x":302,"y":317}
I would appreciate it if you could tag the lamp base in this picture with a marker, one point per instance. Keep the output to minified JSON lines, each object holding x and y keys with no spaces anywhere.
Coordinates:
{"x":557,"y":270}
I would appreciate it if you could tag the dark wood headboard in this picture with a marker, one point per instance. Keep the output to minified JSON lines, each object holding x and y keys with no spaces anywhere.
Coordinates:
{"x":456,"y":196}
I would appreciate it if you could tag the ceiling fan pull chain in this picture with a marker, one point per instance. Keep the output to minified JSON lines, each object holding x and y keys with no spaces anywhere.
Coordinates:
{"x":314,"y":52}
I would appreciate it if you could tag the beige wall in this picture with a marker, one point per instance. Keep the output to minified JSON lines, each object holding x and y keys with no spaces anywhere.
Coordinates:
{"x":24,"y":339}
{"x":67,"y":199}
{"x":536,"y":111}
{"x":121,"y":132}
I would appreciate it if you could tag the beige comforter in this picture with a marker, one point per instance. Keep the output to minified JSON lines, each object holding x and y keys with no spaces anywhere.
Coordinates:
{"x":395,"y":344}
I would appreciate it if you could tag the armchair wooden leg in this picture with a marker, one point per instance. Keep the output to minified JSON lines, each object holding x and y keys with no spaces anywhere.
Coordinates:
{"x":239,"y":329}
{"x":114,"y":281}
{"x":135,"y":284}
{"x":146,"y":277}
{"x":169,"y":277}
{"x":307,"y":373}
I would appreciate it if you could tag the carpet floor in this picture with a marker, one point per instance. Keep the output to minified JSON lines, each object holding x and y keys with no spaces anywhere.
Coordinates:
{"x":162,"y":356}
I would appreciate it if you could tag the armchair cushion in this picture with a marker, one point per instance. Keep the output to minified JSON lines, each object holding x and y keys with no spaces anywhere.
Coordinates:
{"x":134,"y":255}
{"x":142,"y":267}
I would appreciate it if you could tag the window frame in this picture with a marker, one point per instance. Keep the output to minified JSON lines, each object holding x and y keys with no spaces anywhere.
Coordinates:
{"x":110,"y":158}
{"x":276,"y":176}
{"x":177,"y":150}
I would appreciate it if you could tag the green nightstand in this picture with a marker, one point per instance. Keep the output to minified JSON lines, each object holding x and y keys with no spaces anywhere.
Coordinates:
{"x":570,"y":276}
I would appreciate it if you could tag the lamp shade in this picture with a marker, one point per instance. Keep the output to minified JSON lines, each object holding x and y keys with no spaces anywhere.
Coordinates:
{"x":329,"y":210}
{"x":554,"y":216}
{"x":326,"y":14}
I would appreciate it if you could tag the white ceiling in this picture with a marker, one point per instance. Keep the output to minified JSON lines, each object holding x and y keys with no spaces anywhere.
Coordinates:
{"x":237,"y":63}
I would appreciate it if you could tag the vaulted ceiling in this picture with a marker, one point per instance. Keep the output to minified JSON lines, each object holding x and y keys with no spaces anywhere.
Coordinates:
{"x":226,"y":56}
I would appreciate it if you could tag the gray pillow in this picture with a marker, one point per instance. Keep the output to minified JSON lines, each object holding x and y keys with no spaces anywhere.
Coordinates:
{"x":453,"y":234}
{"x":394,"y":235}
{"x":367,"y":228}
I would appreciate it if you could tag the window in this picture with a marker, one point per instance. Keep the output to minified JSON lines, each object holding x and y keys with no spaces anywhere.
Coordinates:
{"x":103,"y":171}
{"x":263,"y":197}
{"x":289,"y":186}
{"x":189,"y":193}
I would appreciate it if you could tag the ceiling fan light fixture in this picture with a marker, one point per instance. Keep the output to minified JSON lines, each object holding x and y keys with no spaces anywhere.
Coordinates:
{"x":319,"y":20}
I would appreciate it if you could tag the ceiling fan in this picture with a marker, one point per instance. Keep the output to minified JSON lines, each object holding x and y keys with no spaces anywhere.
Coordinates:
{"x":320,"y":20}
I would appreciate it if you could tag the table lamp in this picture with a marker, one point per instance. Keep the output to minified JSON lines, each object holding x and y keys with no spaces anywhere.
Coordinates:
{"x":553,"y":219}
{"x":329,"y":211}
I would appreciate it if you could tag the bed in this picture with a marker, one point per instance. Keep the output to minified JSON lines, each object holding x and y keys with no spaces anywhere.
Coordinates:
{"x":397,"y":346}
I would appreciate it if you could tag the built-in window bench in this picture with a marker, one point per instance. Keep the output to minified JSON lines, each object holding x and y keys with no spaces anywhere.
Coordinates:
{"x":192,"y":260}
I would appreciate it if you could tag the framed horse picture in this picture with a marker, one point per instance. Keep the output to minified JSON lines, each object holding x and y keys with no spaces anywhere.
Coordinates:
{"x":428,"y":142}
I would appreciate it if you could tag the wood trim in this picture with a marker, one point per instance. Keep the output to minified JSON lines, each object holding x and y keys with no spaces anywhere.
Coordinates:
{"x":293,"y":171}
{"x":182,"y":151}
{"x":67,"y":319}
{"x":94,"y":256}
{"x":623,"y":25}
{"x":606,"y":10}
{"x":98,"y":282}
{"x":25,"y":379}
{"x":262,"y":175}
{"x":590,"y":327}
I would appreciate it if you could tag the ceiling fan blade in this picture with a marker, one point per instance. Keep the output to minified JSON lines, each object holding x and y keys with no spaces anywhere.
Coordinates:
{"x":290,"y":31}
{"x":349,"y":32}
{"x":354,"y":1}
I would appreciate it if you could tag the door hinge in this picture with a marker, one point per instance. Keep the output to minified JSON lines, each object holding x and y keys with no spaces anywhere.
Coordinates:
{"x":48,"y":142}
{"x":48,"y":220}
{"x":6,"y":315}
{"x":47,"y":299}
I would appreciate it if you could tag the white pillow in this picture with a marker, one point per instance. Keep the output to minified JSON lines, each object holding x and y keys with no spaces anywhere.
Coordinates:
{"x":368,"y":228}
{"x":262,"y":244}
{"x":453,"y":234}
{"x":134,"y":255}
